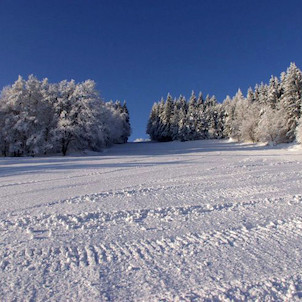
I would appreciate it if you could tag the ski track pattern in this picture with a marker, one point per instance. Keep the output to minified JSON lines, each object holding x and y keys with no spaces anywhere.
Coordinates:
{"x":225,"y":231}
{"x":155,"y":254}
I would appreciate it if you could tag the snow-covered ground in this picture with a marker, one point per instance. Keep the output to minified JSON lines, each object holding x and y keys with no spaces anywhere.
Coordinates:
{"x":153,"y":222}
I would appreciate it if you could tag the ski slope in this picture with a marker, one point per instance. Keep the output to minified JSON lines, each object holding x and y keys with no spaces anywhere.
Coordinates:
{"x":194,"y":221}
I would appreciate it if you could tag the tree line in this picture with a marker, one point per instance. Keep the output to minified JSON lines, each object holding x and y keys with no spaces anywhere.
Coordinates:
{"x":268,"y":113}
{"x":38,"y":117}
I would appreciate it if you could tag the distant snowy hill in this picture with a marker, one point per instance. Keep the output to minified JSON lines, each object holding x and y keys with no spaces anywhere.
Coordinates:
{"x":153,"y":222}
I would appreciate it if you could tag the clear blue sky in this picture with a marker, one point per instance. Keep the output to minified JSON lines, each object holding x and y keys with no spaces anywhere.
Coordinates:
{"x":139,"y":50}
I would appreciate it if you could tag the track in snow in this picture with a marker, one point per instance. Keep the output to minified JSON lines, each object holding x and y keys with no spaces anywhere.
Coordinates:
{"x":177,"y":221}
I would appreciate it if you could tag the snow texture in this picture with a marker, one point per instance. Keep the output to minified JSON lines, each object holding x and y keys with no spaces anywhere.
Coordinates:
{"x":194,"y":221}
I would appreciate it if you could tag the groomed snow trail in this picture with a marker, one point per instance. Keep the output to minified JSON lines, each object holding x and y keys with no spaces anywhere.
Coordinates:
{"x":194,"y":221}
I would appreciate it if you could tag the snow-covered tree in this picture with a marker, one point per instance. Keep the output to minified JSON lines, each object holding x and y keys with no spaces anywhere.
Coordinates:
{"x":192,"y":118}
{"x":126,"y":126}
{"x":38,"y":117}
{"x":229,"y":112}
{"x":153,"y":121}
{"x":249,"y":124}
{"x":270,"y":112}
{"x":181,"y":120}
{"x":272,"y":126}
{"x":299,"y":131}
{"x":15,"y":123}
{"x":201,"y":126}
{"x":119,"y":117}
{"x":182,"y":125}
{"x":291,"y":99}
{"x":211,"y":116}
{"x":174,"y":128}
{"x":274,"y":92}
{"x":250,"y":114}
{"x":165,"y":117}
{"x":220,"y":121}
{"x":239,"y":106}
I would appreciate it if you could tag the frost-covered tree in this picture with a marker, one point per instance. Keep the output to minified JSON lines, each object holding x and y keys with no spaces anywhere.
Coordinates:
{"x":272,"y":126}
{"x":274,"y":92}
{"x":291,"y":99}
{"x":39,"y":108}
{"x":4,"y":118}
{"x":229,"y":113}
{"x":239,"y":106}
{"x":250,"y":114}
{"x":126,"y":126}
{"x":120,"y":119}
{"x":220,"y":121}
{"x":174,"y":128}
{"x":153,"y":122}
{"x":192,"y":119}
{"x":182,"y":125}
{"x":66,"y":114}
{"x":181,"y":120}
{"x":249,"y":124}
{"x":165,"y":117}
{"x":38,"y":118}
{"x":269,"y":113}
{"x":201,"y":125}
{"x":299,"y":131}
{"x":211,"y":116}
{"x":16,"y":119}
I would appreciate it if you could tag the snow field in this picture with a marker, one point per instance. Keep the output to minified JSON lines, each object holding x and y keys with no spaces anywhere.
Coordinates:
{"x":203,"y":220}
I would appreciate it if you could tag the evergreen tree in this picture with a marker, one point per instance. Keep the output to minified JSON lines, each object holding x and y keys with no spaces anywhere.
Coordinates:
{"x":299,"y":131}
{"x":211,"y":116}
{"x":228,"y":108}
{"x":153,"y":122}
{"x":201,"y":131}
{"x":269,"y":113}
{"x":182,"y":125}
{"x":274,"y":92}
{"x":174,"y":121}
{"x":126,"y":123}
{"x":165,"y":117}
{"x":291,"y":99}
{"x":192,"y":118}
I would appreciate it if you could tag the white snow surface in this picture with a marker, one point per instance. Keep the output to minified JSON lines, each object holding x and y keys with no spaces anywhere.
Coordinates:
{"x":193,"y":221}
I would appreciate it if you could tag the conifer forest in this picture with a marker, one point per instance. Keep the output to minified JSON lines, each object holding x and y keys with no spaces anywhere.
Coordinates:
{"x":268,"y":113}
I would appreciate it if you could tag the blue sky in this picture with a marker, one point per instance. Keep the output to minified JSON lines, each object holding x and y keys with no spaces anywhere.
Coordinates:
{"x":139,"y":50}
